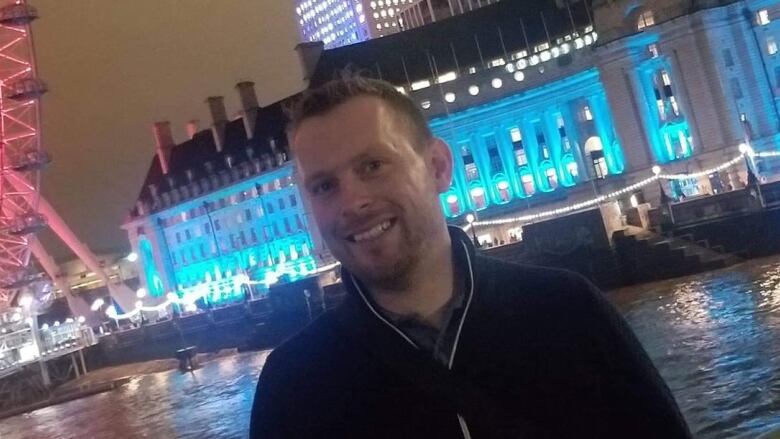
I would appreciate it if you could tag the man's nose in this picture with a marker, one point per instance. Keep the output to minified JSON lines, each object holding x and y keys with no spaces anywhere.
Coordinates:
{"x":355,"y":198}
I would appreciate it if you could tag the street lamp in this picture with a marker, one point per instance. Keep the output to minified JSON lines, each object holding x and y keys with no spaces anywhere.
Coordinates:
{"x":470,"y":218}
{"x":132,"y":257}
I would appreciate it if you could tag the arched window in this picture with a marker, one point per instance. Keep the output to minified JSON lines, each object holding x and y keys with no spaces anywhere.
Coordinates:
{"x":595,"y":150}
{"x":645,"y":20}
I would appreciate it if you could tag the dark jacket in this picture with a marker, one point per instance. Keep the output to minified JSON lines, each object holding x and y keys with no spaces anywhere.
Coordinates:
{"x":539,"y":354}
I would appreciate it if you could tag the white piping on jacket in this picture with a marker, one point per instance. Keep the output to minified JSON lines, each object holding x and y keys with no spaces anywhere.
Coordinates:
{"x":464,"y":428}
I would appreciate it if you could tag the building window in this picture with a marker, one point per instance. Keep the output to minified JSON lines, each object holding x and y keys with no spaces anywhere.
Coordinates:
{"x":496,"y":166}
{"x":269,"y":208}
{"x":562,"y":132}
{"x":736,"y":88}
{"x":552,"y":178}
{"x":281,"y":203}
{"x":287,"y":227}
{"x":762,"y":17}
{"x":517,"y":144}
{"x":253,"y":234}
{"x":293,"y":200}
{"x":653,"y":49}
{"x":216,"y":224}
{"x":187,"y":234}
{"x":207,"y":228}
{"x":727,"y":58}
{"x":528,"y":184}
{"x":771,"y":45}
{"x":600,"y":169}
{"x":178,"y":238}
{"x":542,"y":142}
{"x":242,"y":238}
{"x":646,"y":19}
{"x":276,"y":230}
{"x":472,"y":173}
{"x":664,"y":96}
{"x":298,"y":222}
{"x":248,"y":214}
{"x":586,"y":113}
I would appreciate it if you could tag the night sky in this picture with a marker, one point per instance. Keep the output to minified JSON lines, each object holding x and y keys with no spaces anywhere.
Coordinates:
{"x":115,"y":67}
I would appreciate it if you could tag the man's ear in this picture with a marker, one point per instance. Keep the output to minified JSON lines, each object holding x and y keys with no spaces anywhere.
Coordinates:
{"x":441,"y":164}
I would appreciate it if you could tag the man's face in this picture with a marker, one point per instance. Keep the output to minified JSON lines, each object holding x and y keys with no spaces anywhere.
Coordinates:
{"x":373,"y":191}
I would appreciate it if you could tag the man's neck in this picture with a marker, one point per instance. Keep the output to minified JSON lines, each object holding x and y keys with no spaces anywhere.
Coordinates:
{"x":430,"y":288}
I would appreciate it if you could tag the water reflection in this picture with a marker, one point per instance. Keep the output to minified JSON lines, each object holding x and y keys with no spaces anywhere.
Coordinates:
{"x":716,"y":340}
{"x":714,"y":337}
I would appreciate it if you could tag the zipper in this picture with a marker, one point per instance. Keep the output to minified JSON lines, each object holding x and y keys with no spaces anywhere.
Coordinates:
{"x":464,"y":428}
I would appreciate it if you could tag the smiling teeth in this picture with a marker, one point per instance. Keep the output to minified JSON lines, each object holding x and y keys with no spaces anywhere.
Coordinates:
{"x":373,"y":233}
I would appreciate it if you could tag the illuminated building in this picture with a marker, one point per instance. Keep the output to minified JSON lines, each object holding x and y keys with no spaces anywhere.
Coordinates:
{"x":341,"y":22}
{"x":548,"y":107}
{"x":220,"y":216}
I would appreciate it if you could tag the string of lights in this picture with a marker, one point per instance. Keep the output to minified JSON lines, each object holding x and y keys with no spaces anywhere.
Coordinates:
{"x":745,"y":151}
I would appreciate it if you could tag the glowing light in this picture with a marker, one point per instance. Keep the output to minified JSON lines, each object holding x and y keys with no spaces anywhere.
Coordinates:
{"x":522,"y":64}
{"x":496,"y":82}
{"x":477,"y":192}
{"x":470,"y":218}
{"x":474,"y":90}
{"x":69,"y":320}
{"x":579,"y":43}
{"x":56,"y":323}
{"x":565,"y":48}
{"x":446,"y":77}
{"x":656,"y":170}
{"x":510,"y":68}
{"x":139,"y":304}
{"x":25,"y":301}
{"x":744,"y":148}
{"x":534,"y":60}
{"x":97,"y":304}
{"x":588,"y":40}
{"x":452,"y":198}
{"x":503,"y":185}
{"x":81,"y":319}
{"x":545,"y":56}
{"x":29,"y":321}
{"x":132,"y":257}
{"x":519,"y":76}
{"x":190,"y":307}
{"x":449,"y":97}
{"x":419,"y":85}
{"x":556,"y":52}
{"x":45,"y":327}
{"x":425,"y":105}
{"x":140,"y":293}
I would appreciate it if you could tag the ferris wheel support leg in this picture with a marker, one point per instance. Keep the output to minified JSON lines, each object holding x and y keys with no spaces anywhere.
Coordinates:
{"x":120,"y":292}
{"x":78,"y":306}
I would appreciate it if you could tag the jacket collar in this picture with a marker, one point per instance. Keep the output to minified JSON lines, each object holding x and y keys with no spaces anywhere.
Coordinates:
{"x":360,"y":307}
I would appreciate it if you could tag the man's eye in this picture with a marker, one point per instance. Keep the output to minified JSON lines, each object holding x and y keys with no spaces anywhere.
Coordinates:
{"x":373,"y":165}
{"x":322,"y":188}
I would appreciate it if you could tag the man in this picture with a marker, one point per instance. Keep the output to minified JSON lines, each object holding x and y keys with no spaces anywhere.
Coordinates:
{"x":434,"y":340}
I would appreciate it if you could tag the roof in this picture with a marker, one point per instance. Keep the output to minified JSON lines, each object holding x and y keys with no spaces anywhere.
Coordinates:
{"x":191,"y":155}
{"x":463,"y":40}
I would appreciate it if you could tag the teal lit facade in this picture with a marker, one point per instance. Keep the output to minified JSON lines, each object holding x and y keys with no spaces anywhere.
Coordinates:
{"x":218,"y":247}
{"x":538,"y":141}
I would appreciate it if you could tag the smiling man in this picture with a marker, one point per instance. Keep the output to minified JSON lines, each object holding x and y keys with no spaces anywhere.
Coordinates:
{"x":434,"y":340}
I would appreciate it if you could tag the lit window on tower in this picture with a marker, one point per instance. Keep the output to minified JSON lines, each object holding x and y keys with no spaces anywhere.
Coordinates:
{"x":771,"y":45}
{"x":646,"y":19}
{"x":762,"y":17}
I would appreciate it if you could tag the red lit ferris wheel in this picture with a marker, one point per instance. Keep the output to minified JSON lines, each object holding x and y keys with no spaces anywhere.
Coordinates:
{"x":21,"y":155}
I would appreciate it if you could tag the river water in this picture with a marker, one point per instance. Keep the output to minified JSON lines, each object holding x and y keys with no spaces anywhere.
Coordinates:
{"x":714,"y":337}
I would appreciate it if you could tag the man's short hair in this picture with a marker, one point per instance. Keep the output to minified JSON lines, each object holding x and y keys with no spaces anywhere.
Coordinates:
{"x":321,"y":100}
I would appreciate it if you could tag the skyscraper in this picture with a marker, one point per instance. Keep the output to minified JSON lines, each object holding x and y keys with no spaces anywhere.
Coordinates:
{"x":342,"y":22}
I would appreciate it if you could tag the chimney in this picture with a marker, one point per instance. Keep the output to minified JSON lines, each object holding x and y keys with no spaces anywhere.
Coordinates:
{"x":309,"y":56}
{"x":249,"y":105}
{"x":219,"y":119}
{"x":164,"y":139}
{"x":193,"y":127}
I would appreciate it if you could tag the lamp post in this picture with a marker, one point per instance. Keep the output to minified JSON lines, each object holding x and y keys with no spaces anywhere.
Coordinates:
{"x":471,"y":219}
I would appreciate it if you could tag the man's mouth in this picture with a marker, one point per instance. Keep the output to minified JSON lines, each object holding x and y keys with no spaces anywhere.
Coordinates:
{"x":372,"y":233}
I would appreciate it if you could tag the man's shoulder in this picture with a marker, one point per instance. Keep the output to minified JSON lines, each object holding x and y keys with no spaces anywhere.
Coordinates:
{"x":511,"y":282}
{"x":306,"y":343}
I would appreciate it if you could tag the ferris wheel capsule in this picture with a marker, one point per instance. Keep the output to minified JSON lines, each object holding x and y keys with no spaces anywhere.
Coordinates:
{"x":17,"y":14}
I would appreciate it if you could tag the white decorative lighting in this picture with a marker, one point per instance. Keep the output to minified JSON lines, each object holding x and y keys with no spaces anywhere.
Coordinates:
{"x":579,"y":43}
{"x":425,"y":105}
{"x":139,"y":304}
{"x":744,"y":148}
{"x":25,"y":301}
{"x":447,"y":77}
{"x":510,"y":68}
{"x":496,"y":82}
{"x":97,"y":304}
{"x":545,"y":56}
{"x":470,"y":218}
{"x":588,"y":40}
{"x":140,"y":293}
{"x":522,"y":64}
{"x":503,"y":185}
{"x":81,"y":319}
{"x":565,"y":48}
{"x":45,"y":327}
{"x":449,"y":97}
{"x":534,"y":60}
{"x":419,"y":85}
{"x":132,"y":257}
{"x":452,"y":199}
{"x":556,"y":52}
{"x":474,"y":90}
{"x":656,"y":170}
{"x":519,"y":76}
{"x":477,"y":192}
